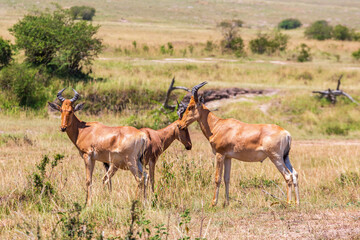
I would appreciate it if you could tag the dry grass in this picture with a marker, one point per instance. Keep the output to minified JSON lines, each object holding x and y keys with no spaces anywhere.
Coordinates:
{"x":326,"y":160}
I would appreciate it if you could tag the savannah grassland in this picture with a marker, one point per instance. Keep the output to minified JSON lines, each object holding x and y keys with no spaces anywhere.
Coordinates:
{"x":325,"y":150}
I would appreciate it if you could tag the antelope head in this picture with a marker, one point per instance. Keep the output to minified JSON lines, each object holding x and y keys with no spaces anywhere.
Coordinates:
{"x":192,"y":112}
{"x":66,"y":108}
{"x":183,"y":133}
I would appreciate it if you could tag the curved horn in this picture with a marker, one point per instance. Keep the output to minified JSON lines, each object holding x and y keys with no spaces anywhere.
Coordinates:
{"x":59,"y":96}
{"x":76,"y":97}
{"x":195,"y":90}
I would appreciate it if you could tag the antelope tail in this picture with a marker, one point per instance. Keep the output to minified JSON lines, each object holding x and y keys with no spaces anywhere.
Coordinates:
{"x":287,"y":142}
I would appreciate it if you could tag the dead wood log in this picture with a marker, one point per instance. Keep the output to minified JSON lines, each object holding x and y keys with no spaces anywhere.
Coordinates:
{"x":332,"y":94}
{"x":172,"y":88}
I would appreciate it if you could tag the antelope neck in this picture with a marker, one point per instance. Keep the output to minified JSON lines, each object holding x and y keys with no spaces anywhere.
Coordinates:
{"x":207,"y":121}
{"x":73,"y":129}
{"x":167,"y":135}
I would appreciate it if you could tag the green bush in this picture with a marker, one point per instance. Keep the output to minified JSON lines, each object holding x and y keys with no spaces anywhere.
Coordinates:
{"x":341,"y":32}
{"x":57,"y":41}
{"x":356,"y":54}
{"x":230,"y":23}
{"x":82,"y":12}
{"x":269,"y":43}
{"x":24,"y":86}
{"x":289,"y":23}
{"x":5,"y":52}
{"x":319,"y":30}
{"x":232,"y":41}
{"x":304,"y":54}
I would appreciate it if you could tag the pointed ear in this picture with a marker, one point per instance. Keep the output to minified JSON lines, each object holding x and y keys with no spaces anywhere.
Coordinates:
{"x":79,"y":107}
{"x":202,"y":99}
{"x":54,"y":106}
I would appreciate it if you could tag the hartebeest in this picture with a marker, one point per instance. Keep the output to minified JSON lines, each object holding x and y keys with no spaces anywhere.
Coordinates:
{"x":120,"y":147}
{"x":160,"y":140}
{"x":230,"y":138}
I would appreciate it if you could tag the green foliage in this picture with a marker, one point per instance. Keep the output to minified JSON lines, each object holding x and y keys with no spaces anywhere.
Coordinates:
{"x":72,"y":226}
{"x":348,"y":179}
{"x":229,"y":23}
{"x":289,"y":23}
{"x":41,"y":179}
{"x":319,"y":30}
{"x":141,"y":227}
{"x":304,"y":54}
{"x":337,"y":129}
{"x":183,"y":224}
{"x":257,"y":182}
{"x":5,"y":52}
{"x":82,"y":12}
{"x":24,"y":86}
{"x":168,"y":50}
{"x":341,"y":32}
{"x":266,"y":43}
{"x":57,"y":41}
{"x":356,"y":54}
{"x":209,"y":46}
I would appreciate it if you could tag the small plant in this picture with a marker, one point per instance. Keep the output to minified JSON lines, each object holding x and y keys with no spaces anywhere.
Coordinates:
{"x":336,"y":129}
{"x":348,"y":178}
{"x":304,"y":54}
{"x":319,"y":30}
{"x":289,"y":23}
{"x":209,"y":46}
{"x":41,"y":180}
{"x":183,"y":224}
{"x":145,"y":48}
{"x":356,"y":54}
{"x":191,"y":49}
{"x":72,"y":226}
{"x":170,"y":48}
{"x":134,"y":43}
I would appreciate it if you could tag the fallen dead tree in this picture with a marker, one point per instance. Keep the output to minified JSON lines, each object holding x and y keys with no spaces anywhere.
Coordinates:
{"x":332,"y":94}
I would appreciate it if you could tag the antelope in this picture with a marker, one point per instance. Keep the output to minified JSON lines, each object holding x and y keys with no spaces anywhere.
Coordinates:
{"x":231,"y":138}
{"x":117,"y":147}
{"x":160,"y":140}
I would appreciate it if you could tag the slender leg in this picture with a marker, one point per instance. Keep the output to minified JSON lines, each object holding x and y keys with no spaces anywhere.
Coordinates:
{"x":280,"y":165}
{"x":152,"y":174}
{"x":89,"y":166}
{"x":227,"y":169}
{"x":219,"y":169}
{"x":109,"y":184}
{"x":140,"y":175}
{"x":295,"y":178}
{"x":108,"y":175}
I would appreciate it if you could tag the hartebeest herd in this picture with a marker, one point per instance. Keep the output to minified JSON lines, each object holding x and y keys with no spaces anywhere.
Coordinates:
{"x":133,"y":149}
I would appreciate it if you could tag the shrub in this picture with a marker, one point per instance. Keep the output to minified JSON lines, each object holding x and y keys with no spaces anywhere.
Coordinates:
{"x":229,"y":23}
{"x":24,"y":86}
{"x":232,"y":41}
{"x":209,"y":46}
{"x":289,"y":23}
{"x":356,"y":54}
{"x":304,"y":54}
{"x":319,"y":30}
{"x":269,"y":43}
{"x":5,"y":52}
{"x":341,"y":32}
{"x":82,"y":12}
{"x":57,"y":41}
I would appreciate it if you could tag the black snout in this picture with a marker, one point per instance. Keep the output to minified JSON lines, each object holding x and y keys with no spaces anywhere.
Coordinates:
{"x":63,"y":129}
{"x":188,"y":147}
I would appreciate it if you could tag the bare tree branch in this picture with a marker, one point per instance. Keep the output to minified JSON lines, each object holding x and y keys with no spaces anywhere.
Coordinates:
{"x":332,"y":94}
{"x":172,"y":88}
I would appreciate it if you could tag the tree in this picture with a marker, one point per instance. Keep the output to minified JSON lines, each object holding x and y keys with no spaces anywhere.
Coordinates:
{"x":304,"y":54}
{"x":269,"y":43}
{"x":232,"y":41}
{"x":5,"y":52}
{"x":289,"y":23}
{"x":342,"y":33}
{"x":356,"y":54}
{"x":57,"y":41}
{"x":319,"y":30}
{"x":82,"y":12}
